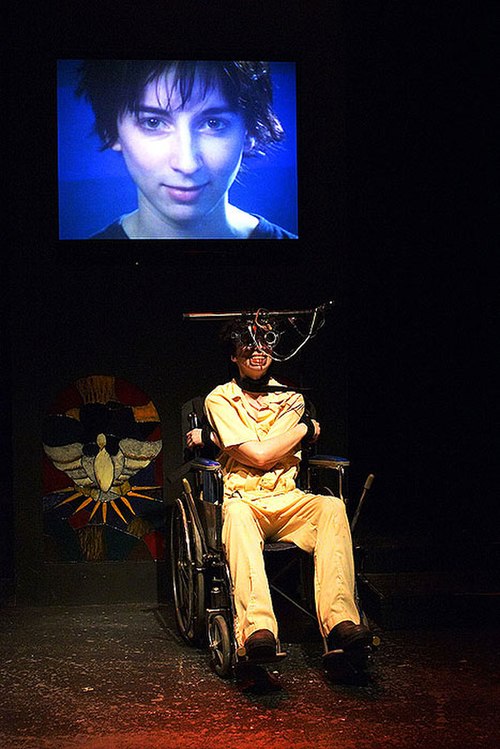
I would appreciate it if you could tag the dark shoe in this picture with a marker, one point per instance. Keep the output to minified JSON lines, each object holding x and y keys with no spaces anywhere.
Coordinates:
{"x":348,"y":636}
{"x":260,"y":645}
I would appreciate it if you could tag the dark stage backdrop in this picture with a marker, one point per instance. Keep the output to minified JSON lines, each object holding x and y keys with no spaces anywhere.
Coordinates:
{"x":386,"y":179}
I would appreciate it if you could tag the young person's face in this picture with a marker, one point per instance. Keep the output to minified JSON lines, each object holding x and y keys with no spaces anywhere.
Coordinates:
{"x":252,"y":361}
{"x":183,"y":160}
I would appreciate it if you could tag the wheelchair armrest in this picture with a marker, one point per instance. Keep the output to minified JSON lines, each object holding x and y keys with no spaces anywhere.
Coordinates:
{"x":205,"y":464}
{"x":328,"y":461}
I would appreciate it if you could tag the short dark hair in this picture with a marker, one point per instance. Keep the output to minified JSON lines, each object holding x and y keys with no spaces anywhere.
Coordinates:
{"x":114,"y":87}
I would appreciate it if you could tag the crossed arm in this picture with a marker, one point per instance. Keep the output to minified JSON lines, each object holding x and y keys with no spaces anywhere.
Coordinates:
{"x":262,"y":454}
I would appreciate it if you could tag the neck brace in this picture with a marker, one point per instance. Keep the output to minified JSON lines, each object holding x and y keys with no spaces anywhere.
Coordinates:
{"x":255,"y":386}
{"x":262,"y":385}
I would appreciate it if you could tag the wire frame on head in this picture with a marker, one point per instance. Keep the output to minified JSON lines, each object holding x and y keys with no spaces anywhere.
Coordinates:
{"x":265,"y":329}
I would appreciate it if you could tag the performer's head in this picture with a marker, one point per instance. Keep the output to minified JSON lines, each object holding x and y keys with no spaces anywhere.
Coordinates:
{"x":248,"y":349}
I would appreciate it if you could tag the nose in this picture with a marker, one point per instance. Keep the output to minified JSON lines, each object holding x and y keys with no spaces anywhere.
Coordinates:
{"x":185,"y":156}
{"x":258,"y":348}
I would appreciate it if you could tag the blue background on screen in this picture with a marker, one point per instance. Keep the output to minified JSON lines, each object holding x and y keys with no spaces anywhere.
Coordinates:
{"x":95,"y":188}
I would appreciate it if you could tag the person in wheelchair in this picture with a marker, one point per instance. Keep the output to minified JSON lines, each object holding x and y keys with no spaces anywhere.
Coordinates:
{"x":258,"y":426}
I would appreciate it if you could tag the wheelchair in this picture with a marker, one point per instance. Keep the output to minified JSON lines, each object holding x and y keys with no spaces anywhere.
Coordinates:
{"x":201,"y":581}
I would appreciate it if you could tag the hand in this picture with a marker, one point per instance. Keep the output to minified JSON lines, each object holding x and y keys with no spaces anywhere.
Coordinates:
{"x":317,"y":431}
{"x":313,"y":428}
{"x":194,"y":439}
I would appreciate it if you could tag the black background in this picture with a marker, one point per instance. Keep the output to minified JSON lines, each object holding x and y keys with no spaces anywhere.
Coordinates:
{"x":395,"y":158}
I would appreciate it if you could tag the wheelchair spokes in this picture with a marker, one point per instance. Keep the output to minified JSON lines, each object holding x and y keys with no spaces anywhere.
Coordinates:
{"x":187,"y":577}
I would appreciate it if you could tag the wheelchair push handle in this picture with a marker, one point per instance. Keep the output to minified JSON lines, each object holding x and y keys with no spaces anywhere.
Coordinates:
{"x":193,"y":423}
{"x":193,"y":420}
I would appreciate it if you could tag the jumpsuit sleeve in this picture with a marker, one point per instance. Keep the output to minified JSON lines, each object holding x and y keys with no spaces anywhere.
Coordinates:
{"x":289,"y":415}
{"x":227,"y":421}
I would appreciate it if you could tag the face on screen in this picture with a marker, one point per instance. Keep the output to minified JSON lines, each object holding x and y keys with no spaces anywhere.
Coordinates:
{"x":168,"y":150}
{"x":183,"y":159}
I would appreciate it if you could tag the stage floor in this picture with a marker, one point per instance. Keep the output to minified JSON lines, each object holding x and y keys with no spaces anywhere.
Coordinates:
{"x":120,"y":677}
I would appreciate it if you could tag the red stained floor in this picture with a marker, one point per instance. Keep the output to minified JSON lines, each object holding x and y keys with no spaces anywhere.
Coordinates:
{"x":119,"y":677}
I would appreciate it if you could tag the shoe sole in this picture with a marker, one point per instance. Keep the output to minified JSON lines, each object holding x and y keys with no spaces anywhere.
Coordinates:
{"x":357,"y":657}
{"x":358,"y":643}
{"x":261,"y":655}
{"x":355,"y":642}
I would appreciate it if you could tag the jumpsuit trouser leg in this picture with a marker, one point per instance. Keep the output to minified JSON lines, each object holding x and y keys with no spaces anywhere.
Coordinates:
{"x":315,"y":523}
{"x":243,"y":541}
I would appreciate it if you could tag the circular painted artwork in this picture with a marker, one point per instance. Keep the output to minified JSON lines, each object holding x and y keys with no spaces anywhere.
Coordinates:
{"x":102,"y":472}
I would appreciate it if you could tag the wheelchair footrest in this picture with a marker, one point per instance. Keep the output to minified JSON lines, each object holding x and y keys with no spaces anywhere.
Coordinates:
{"x":354,"y":656}
{"x":241,"y":657}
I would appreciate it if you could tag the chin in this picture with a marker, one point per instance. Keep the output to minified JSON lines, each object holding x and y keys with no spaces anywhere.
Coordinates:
{"x":257,"y":373}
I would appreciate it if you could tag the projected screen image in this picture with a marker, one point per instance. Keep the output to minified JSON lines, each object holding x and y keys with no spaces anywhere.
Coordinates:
{"x":152,"y":149}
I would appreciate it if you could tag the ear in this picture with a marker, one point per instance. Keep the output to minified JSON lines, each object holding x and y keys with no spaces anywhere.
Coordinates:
{"x":117,"y":146}
{"x":233,"y":358}
{"x":249,"y":144}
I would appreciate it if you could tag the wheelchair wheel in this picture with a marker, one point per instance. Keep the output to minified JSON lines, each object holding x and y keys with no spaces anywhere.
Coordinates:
{"x":187,"y":576}
{"x":220,"y":645}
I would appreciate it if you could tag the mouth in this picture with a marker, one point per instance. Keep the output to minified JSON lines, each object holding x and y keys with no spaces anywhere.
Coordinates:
{"x":184,"y":194}
{"x":258,"y":361}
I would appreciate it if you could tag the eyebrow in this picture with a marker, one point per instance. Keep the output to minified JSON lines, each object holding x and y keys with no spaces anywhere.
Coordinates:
{"x":210,"y":112}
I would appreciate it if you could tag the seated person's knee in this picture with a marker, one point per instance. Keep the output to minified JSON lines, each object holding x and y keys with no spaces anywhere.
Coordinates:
{"x":234,"y":510}
{"x":332,"y":506}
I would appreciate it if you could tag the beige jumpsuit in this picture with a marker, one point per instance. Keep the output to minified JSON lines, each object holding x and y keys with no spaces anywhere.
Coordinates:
{"x":261,"y":505}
